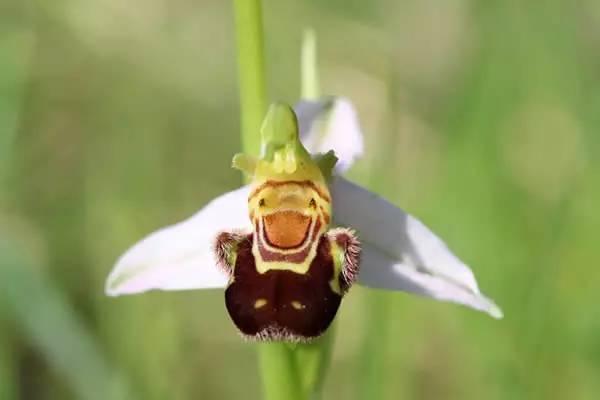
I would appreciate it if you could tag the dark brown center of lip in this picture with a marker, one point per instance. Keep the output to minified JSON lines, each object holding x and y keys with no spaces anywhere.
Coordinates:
{"x":286,"y":229}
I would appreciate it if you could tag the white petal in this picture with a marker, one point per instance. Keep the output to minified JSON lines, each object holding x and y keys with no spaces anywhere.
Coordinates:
{"x":181,"y":257}
{"x":331,"y":124}
{"x":381,"y":271}
{"x":401,"y":253}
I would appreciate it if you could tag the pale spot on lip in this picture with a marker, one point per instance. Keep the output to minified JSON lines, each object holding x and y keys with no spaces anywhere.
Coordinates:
{"x":260,"y":303}
{"x":297,"y":305}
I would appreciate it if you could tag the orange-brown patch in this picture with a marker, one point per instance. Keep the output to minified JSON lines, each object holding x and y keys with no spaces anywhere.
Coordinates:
{"x":286,"y":229}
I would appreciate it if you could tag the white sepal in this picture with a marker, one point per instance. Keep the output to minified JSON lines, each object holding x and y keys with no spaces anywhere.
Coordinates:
{"x":331,"y":124}
{"x":401,"y":253}
{"x":181,"y":256}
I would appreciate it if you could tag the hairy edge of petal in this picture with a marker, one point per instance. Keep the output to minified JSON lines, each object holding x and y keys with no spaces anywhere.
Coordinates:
{"x":181,"y":256}
{"x":225,"y":247}
{"x":347,"y":240}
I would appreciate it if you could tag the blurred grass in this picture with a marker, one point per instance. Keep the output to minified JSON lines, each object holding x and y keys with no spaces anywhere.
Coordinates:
{"x":51,"y":326}
{"x":481,"y":118}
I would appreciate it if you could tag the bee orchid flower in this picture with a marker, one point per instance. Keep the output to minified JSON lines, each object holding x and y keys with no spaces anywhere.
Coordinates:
{"x":289,"y":245}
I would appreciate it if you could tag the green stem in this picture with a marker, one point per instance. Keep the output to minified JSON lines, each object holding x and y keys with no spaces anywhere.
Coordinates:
{"x":251,"y":69}
{"x":279,"y":374}
{"x":374,"y":349}
{"x":278,"y":369}
{"x":312,"y":360}
{"x":310,"y":77}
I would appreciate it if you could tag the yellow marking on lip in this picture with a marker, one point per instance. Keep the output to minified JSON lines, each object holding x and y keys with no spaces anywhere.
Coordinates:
{"x":260,"y":303}
{"x":322,"y":192}
{"x":337,"y":254}
{"x":297,"y":305}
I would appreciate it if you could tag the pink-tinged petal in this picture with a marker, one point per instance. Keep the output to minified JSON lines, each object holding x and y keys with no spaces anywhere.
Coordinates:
{"x":331,"y":124}
{"x":401,"y":253}
{"x":181,"y":256}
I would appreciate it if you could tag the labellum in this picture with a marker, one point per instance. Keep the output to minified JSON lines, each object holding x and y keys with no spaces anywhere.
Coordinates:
{"x":288,"y":275}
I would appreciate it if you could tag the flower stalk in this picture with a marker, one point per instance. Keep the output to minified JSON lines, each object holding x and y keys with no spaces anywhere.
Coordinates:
{"x":278,"y":371}
{"x":276,"y":360}
{"x":312,"y":359}
{"x":251,"y":70}
{"x":309,"y":89}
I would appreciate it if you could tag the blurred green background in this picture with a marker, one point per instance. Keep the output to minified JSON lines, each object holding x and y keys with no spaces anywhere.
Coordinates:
{"x":481,"y":118}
